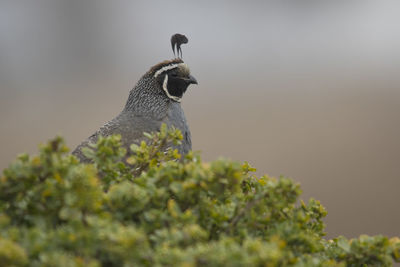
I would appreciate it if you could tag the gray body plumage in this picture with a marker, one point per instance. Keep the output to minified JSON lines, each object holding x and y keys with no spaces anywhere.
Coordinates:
{"x":146,"y":109}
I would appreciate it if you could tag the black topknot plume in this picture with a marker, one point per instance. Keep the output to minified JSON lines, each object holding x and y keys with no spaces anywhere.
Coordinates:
{"x":176,"y":40}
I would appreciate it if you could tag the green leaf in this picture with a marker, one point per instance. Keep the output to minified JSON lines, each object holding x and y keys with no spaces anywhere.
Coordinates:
{"x":149,"y":209}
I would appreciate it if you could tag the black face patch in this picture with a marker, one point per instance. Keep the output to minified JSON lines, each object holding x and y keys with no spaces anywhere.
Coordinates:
{"x":174,"y":79}
{"x":176,"y":85}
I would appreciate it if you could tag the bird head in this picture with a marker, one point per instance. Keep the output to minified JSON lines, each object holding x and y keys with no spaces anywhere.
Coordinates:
{"x":173,"y":77}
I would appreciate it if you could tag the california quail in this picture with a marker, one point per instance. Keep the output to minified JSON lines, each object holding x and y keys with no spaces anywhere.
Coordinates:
{"x":176,"y":40}
{"x":154,"y":100}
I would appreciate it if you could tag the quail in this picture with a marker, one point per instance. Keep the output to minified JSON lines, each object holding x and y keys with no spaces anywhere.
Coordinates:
{"x":154,"y":100}
{"x":176,"y":40}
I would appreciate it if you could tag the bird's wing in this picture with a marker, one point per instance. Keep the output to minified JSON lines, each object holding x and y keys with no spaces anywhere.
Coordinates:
{"x":130,"y":127}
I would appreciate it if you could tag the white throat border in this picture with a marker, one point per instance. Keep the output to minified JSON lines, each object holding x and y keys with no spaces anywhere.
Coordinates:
{"x":175,"y":98}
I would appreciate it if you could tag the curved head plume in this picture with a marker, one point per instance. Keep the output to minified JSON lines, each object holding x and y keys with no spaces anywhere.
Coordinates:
{"x":176,"y":40}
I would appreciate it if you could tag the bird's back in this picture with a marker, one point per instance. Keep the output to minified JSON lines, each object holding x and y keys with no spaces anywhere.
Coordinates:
{"x":131,"y":127}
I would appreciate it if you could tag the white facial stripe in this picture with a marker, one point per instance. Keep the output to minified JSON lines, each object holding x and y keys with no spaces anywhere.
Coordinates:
{"x":175,"y":98}
{"x":169,"y":67}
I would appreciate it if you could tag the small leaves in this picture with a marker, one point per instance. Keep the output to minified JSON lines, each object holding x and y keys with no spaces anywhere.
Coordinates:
{"x":153,"y":208}
{"x":248,"y":168}
{"x":158,"y":148}
{"x":365,"y":250}
{"x":11,"y":254}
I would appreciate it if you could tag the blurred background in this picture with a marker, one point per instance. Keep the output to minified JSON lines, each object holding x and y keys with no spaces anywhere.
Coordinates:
{"x":305,"y":89}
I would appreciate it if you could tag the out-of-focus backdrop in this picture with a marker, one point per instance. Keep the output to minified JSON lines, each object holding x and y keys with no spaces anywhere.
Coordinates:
{"x":305,"y":89}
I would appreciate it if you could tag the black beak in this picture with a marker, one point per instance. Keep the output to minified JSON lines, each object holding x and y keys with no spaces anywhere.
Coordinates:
{"x":192,"y":80}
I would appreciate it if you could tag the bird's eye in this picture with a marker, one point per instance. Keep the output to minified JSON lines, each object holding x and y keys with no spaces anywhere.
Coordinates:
{"x":174,"y":74}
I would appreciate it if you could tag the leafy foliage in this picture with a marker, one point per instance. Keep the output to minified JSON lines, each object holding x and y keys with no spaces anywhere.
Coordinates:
{"x":150,"y":207}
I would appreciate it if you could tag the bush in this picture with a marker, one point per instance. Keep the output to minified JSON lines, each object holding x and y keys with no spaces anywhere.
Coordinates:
{"x":154,"y":208}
